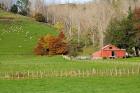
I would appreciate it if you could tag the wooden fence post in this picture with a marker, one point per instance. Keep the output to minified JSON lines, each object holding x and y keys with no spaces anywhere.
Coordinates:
{"x":28,"y":74}
{"x":83,"y":73}
{"x":79,"y":73}
{"x":41,"y":74}
{"x":120,"y":72}
{"x":111,"y":72}
{"x":138,"y":70}
{"x":116,"y":72}
{"x":128,"y":71}
{"x":61,"y":73}
{"x":132,"y":71}
{"x":18,"y":75}
{"x":93,"y":71}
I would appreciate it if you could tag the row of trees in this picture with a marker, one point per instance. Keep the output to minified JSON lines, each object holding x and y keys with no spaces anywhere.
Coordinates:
{"x":5,"y":4}
{"x":21,"y":6}
{"x":125,"y":32}
{"x":80,"y":20}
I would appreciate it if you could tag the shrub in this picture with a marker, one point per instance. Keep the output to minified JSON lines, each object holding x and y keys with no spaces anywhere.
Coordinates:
{"x":59,"y":26}
{"x":124,"y":32}
{"x":39,"y":17}
{"x":14,"y":9}
{"x":2,"y":6}
{"x":51,"y":45}
{"x":104,"y":57}
{"x":75,"y":48}
{"x":23,"y":12}
{"x":23,"y":6}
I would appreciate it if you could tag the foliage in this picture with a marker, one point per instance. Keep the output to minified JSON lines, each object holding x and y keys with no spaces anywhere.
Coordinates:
{"x":2,"y":6}
{"x":122,"y":33}
{"x":39,"y":17}
{"x":137,"y":26}
{"x":23,"y":12}
{"x":14,"y":9}
{"x":59,"y":26}
{"x":23,"y":6}
{"x":51,"y":45}
{"x":75,"y":47}
{"x":73,"y":50}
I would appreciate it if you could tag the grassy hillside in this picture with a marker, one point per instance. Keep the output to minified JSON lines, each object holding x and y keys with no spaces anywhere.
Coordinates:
{"x":19,"y":35}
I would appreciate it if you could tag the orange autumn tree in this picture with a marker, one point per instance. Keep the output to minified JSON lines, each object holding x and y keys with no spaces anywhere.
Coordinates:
{"x":51,"y":45}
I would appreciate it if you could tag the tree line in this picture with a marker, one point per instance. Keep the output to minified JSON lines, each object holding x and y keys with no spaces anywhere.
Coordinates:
{"x":125,"y":32}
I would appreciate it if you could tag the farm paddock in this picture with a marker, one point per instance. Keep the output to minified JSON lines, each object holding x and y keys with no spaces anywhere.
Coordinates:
{"x":32,"y":74}
{"x":72,"y":85}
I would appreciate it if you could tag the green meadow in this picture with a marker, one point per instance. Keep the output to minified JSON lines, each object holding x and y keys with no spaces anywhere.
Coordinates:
{"x":72,"y":85}
{"x":19,"y":35}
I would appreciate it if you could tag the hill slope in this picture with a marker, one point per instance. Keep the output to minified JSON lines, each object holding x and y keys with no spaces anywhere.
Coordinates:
{"x":19,"y":34}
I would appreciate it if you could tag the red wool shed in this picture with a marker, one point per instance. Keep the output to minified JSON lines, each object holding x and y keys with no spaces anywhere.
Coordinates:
{"x":109,"y":51}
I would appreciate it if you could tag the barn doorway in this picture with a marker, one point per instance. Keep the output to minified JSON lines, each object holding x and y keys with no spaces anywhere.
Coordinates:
{"x":113,"y":53}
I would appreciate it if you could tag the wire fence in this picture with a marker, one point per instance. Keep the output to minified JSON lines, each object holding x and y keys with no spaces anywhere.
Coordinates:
{"x":71,"y":73}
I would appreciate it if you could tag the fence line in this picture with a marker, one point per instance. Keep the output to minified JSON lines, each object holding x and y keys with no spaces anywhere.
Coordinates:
{"x":72,"y":73}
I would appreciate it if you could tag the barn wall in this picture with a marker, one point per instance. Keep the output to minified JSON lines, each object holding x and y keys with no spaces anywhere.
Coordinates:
{"x":106,"y":53}
{"x":120,"y":53}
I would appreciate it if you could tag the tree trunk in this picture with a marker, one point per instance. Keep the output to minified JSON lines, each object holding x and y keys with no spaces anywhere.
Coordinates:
{"x":79,"y":30}
{"x":137,"y":51}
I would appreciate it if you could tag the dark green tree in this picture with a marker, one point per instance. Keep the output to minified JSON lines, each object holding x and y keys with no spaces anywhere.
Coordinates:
{"x":23,"y":6}
{"x":14,"y":9}
{"x":122,"y":32}
{"x":137,"y":26}
{"x":39,"y":17}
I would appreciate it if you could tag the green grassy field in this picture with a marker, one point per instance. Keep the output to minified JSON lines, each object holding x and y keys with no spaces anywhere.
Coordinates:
{"x":72,"y":85}
{"x":126,"y":84}
{"x":94,"y":84}
{"x":18,"y":37}
{"x":38,"y":63}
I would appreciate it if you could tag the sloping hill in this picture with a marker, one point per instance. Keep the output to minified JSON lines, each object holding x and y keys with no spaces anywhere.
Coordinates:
{"x":19,"y":34}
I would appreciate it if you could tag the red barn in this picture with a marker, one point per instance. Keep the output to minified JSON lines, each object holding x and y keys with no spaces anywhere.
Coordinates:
{"x":109,"y":51}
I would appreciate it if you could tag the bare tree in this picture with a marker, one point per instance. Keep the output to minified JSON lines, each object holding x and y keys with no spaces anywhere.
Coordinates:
{"x":7,"y":4}
{"x":79,"y":18}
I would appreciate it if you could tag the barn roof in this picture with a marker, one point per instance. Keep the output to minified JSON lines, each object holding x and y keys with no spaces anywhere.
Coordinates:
{"x":110,"y":45}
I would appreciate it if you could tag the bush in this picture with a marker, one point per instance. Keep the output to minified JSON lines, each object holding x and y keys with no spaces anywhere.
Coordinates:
{"x":104,"y":57}
{"x":51,"y":45}
{"x":75,"y":48}
{"x":73,"y":51}
{"x":59,"y":26}
{"x":14,"y":9}
{"x":2,"y":6}
{"x":39,"y":17}
{"x":23,"y":12}
{"x":23,"y":6}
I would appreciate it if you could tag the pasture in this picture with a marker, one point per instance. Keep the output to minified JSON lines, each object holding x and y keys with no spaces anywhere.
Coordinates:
{"x":72,"y":85}
{"x":36,"y":82}
{"x":19,"y":34}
